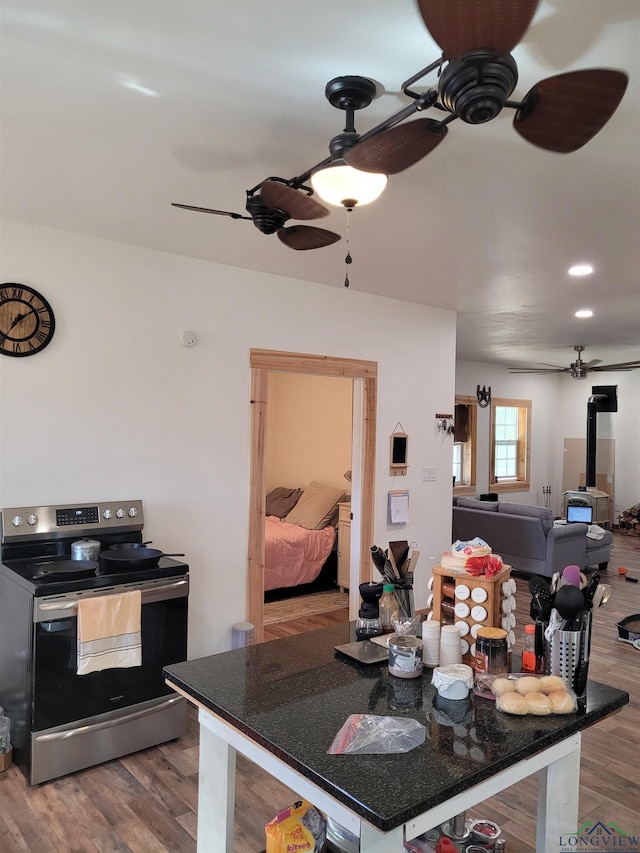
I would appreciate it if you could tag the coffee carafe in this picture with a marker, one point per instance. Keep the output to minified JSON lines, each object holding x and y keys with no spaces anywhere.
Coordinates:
{"x":368,"y":624}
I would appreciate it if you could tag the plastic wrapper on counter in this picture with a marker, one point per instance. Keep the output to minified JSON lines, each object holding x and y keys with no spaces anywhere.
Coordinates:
{"x":474,"y":557}
{"x":526,"y":694}
{"x":367,"y":734}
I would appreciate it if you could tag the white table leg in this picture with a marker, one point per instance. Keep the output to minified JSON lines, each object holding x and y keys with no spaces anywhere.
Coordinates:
{"x":558,"y":791}
{"x":374,"y":841}
{"x":216,"y":793}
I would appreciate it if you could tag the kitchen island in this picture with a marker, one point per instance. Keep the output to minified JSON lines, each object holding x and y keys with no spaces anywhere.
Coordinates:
{"x":281,"y":704}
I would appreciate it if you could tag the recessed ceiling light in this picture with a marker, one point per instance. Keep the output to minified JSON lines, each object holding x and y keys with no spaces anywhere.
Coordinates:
{"x":584,"y":312}
{"x":580,"y":269}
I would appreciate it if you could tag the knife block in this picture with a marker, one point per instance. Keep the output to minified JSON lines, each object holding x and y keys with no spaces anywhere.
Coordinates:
{"x":492,"y":604}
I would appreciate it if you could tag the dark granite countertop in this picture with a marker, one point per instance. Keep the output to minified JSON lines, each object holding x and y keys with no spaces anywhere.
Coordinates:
{"x":293,"y":695}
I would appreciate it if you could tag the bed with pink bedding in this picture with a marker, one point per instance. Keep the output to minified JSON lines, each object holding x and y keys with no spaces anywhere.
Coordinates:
{"x":300,"y":536}
{"x":292,"y":554}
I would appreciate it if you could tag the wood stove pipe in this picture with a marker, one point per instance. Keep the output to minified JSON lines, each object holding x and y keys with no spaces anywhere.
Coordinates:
{"x":592,"y":410}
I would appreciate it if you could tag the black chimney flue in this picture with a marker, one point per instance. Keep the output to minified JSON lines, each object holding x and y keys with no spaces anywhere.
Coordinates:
{"x":603,"y":398}
{"x":592,"y":411}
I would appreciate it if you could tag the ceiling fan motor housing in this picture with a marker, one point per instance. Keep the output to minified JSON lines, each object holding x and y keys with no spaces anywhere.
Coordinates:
{"x":476,"y":87}
{"x":268,"y":220}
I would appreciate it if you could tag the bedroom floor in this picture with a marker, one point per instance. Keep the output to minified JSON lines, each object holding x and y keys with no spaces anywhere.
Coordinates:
{"x":301,"y":624}
{"x":305,"y":606}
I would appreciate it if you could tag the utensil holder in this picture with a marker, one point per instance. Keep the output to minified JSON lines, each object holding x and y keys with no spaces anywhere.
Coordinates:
{"x":563,"y":654}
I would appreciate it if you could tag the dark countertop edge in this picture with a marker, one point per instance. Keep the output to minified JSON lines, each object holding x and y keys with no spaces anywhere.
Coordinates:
{"x":409,"y":814}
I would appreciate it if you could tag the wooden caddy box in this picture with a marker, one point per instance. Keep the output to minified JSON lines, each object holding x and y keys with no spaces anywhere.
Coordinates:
{"x":493,"y":603}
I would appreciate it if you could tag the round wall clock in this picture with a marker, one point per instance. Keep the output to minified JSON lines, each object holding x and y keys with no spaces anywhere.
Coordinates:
{"x":27,"y":323}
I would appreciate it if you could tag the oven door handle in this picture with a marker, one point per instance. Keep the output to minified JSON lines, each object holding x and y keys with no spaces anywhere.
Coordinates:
{"x":155,"y":593}
{"x":108,"y":724}
{"x":69,"y":605}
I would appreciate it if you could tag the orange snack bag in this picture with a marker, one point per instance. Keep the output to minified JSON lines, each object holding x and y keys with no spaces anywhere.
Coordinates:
{"x":298,"y":829}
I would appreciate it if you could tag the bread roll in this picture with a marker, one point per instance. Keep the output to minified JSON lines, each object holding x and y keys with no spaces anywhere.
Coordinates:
{"x":501,"y":686}
{"x":551,"y":682}
{"x":537,"y":703}
{"x":528,"y":684}
{"x":512,"y":703}
{"x":561,"y":702}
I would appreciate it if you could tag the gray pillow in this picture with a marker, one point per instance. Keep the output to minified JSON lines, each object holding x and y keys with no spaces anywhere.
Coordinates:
{"x":281,"y":501}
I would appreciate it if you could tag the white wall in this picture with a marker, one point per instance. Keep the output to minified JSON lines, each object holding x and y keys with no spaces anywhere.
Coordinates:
{"x":309,"y":429}
{"x":116,"y":408}
{"x":559,"y":411}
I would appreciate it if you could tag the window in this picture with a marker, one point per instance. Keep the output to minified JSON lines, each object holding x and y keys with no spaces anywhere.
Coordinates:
{"x":457,"y":463}
{"x":510,"y":444}
{"x":464,"y":446}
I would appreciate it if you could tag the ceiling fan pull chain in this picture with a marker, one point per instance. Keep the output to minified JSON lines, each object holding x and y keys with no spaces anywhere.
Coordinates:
{"x":348,"y":259}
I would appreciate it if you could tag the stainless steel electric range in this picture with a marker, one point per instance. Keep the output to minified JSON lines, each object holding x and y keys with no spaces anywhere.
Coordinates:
{"x":62,"y":721}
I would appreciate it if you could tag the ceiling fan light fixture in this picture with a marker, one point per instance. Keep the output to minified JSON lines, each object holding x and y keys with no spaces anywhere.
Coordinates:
{"x":344,"y":186}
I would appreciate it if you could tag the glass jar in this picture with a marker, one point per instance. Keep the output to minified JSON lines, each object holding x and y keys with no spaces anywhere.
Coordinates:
{"x":491,"y":651}
{"x":491,"y":660}
{"x":405,"y":656}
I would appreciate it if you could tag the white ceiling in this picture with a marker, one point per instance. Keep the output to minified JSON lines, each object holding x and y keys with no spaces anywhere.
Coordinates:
{"x":486,"y":224}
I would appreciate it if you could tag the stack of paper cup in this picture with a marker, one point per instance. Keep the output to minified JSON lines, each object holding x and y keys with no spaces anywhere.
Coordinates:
{"x":450,"y":646}
{"x":431,"y":642}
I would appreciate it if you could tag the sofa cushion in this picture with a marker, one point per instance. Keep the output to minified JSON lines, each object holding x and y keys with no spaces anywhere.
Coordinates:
{"x":541,"y":512}
{"x":474,"y":503}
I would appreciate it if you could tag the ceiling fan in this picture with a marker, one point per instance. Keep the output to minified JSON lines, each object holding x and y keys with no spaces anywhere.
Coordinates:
{"x":476,"y":78}
{"x":579,"y":369}
{"x":271,"y":204}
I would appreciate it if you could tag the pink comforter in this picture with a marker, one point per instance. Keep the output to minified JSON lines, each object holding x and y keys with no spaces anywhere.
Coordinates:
{"x":292,"y":554}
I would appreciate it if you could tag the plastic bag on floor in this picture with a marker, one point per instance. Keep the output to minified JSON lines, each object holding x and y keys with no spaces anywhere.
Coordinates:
{"x":301,"y":828}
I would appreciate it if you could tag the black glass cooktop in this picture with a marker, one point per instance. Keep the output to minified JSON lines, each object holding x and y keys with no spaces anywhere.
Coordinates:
{"x":50,"y":575}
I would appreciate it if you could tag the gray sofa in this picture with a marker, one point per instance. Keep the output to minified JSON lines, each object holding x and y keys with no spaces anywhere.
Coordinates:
{"x":526,"y":537}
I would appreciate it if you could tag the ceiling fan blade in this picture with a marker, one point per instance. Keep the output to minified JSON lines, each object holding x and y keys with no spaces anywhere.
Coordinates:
{"x":539,"y":370}
{"x":209,"y":210}
{"x":564,"y":112}
{"x":394,"y":150}
{"x":458,"y":26}
{"x":624,"y":365}
{"x":591,"y":364}
{"x":298,"y":205}
{"x":302,"y":237}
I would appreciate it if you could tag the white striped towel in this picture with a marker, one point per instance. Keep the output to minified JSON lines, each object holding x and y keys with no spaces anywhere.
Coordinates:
{"x":109,"y":632}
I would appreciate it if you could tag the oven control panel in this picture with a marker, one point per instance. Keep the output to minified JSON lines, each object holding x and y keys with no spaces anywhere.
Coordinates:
{"x":20,"y":524}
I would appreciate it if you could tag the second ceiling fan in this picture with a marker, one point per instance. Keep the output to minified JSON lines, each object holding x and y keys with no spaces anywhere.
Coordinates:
{"x":476,"y":77}
{"x":579,"y":369}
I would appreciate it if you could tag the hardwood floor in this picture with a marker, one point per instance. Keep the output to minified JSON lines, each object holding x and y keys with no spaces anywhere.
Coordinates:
{"x":147,"y":802}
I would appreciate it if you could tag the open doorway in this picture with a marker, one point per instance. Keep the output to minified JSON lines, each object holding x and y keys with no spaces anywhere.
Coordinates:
{"x":364,"y":374}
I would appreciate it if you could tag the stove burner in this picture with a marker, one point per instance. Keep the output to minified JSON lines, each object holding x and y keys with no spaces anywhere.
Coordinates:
{"x":64,"y":569}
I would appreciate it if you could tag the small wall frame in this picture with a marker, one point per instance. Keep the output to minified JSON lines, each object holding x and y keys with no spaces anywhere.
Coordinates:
{"x":398,"y":454}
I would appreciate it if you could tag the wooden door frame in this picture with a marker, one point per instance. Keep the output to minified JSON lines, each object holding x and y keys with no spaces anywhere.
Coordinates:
{"x":262,"y":362}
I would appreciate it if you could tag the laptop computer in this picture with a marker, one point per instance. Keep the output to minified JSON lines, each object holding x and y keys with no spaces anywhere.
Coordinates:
{"x":579,"y":513}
